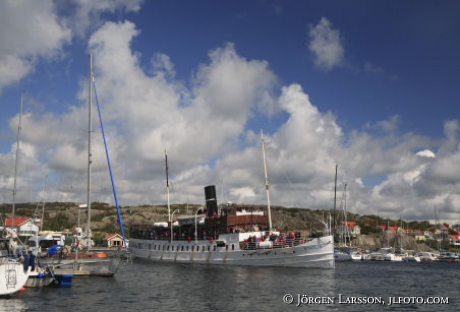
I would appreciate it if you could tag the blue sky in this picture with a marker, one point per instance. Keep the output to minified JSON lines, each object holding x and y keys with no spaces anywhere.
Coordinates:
{"x":368,"y":85}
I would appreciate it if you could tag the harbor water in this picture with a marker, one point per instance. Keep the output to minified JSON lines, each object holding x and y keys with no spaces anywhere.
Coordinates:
{"x":351,"y":286}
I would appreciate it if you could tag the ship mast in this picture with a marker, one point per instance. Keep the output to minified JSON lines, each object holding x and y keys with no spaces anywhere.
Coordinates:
{"x":16,"y":166}
{"x":90,"y":130}
{"x":167,"y":186}
{"x":267,"y":188}
{"x":335,"y":203}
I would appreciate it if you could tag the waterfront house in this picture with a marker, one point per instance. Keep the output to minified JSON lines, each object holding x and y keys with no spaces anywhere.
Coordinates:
{"x":454,"y":240}
{"x":22,"y":226}
{"x":113,"y":240}
{"x":348,"y":229}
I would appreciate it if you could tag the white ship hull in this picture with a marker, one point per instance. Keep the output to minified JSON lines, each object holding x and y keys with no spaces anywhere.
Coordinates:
{"x":315,"y":253}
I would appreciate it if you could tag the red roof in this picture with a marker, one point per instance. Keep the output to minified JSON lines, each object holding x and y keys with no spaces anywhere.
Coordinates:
{"x":17,"y":221}
{"x":111,"y":236}
{"x":389,"y":228}
{"x":349,"y":224}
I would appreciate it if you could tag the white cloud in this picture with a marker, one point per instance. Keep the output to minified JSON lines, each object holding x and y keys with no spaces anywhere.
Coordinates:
{"x":326,"y":45}
{"x":389,"y":125}
{"x":28,"y":31}
{"x":33,"y":30}
{"x":426,"y":153}
{"x":145,"y":113}
{"x":88,"y":13}
{"x":162,"y":64}
{"x":242,"y":194}
{"x":204,"y":125}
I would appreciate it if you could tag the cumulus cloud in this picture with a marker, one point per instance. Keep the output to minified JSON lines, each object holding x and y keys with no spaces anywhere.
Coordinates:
{"x":326,"y":45}
{"x":426,"y":153}
{"x":40,"y":30}
{"x":87,"y":15}
{"x":204,"y":124}
{"x":28,"y":31}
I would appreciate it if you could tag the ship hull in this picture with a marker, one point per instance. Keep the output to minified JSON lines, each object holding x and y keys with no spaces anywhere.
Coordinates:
{"x":314,"y":253}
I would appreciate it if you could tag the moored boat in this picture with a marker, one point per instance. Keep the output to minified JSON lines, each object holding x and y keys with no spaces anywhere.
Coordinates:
{"x":380,"y":254}
{"x":342,"y":256}
{"x":231,"y":235}
{"x":91,"y":263}
{"x":235,"y":235}
{"x":426,"y":256}
{"x":86,"y":261}
{"x":40,"y":277}
{"x":394,"y":256}
{"x":448,"y":256}
{"x":12,"y":274}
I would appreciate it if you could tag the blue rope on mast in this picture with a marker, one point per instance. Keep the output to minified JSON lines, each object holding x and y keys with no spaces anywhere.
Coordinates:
{"x":120,"y":220}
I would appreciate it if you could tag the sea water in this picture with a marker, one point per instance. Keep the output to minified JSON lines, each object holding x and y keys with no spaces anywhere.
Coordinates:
{"x":351,"y":286}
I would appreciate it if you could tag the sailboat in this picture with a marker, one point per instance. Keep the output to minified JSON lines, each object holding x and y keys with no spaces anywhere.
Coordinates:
{"x":13,"y":275}
{"x":343,"y":252}
{"x":232,"y":235}
{"x":81,"y":260}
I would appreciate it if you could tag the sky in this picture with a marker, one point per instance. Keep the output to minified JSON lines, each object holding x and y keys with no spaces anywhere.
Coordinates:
{"x":367,"y":87}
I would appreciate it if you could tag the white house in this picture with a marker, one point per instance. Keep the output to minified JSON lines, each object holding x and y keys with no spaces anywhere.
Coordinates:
{"x":113,"y":240}
{"x":348,"y":229}
{"x":22,"y":226}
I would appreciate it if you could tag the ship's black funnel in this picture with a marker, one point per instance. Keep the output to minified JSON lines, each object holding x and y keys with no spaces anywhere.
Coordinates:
{"x":211,"y":200}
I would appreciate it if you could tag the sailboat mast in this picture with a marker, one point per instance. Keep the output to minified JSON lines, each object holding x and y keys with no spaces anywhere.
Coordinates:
{"x":16,"y":165}
{"x":345,"y":213}
{"x":335,"y":202}
{"x":112,"y":180}
{"x":267,"y":188}
{"x":43,"y":204}
{"x":221,"y":196}
{"x":401,"y":228}
{"x":90,"y":130}
{"x":167,"y":186}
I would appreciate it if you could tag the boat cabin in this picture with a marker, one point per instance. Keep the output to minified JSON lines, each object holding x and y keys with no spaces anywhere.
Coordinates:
{"x":44,"y":242}
{"x":208,"y":222}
